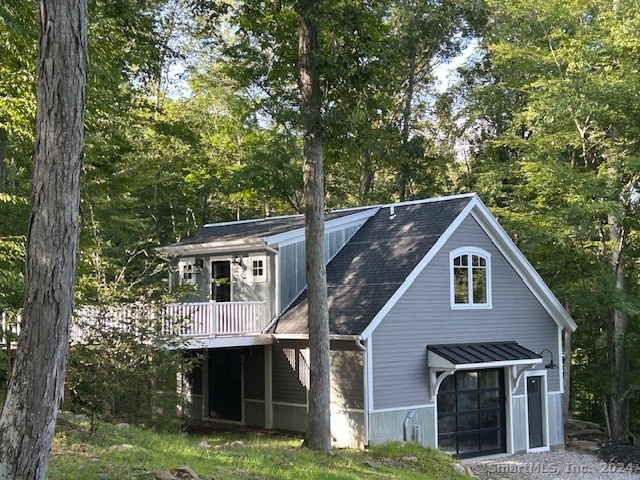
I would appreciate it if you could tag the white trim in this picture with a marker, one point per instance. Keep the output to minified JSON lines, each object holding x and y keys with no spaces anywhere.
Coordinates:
{"x":521,"y":265}
{"x":220,"y":342}
{"x":436,"y":380}
{"x":560,"y":361}
{"x":289,"y":404}
{"x":419,"y":268}
{"x":369,"y":360}
{"x":470,"y":251}
{"x":330,"y":226}
{"x":509,"y":436}
{"x":408,"y":407}
{"x":517,"y":375}
{"x":545,"y":411}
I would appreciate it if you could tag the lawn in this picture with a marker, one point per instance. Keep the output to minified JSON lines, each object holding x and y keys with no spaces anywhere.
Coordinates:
{"x":117,"y":453}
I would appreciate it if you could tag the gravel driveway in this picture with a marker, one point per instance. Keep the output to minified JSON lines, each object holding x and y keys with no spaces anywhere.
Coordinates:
{"x":556,"y":465}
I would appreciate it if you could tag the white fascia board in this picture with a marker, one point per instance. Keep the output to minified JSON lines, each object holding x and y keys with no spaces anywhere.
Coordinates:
{"x":213,"y":248}
{"x":297,"y":235}
{"x":198,"y":343}
{"x":419,"y":268}
{"x":521,"y":265}
{"x":304,"y":336}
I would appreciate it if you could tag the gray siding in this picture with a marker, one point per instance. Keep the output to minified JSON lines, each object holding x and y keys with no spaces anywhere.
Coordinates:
{"x":389,"y":426}
{"x":254,"y":413}
{"x":520,"y":431}
{"x":556,"y":425}
{"x":292,"y":263}
{"x":254,"y":374}
{"x":290,"y":376}
{"x":347,"y":379}
{"x":290,"y":417}
{"x":424,"y":316}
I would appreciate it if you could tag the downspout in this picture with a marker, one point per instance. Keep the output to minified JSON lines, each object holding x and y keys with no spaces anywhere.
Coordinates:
{"x":363,"y":348}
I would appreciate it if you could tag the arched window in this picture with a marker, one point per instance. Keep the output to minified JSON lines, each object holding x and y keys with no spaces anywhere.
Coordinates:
{"x":470,"y":278}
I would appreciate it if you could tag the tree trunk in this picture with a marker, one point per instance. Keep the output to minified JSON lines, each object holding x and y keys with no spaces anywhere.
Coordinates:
{"x":403,"y":177}
{"x":616,"y":333}
{"x":29,"y":414}
{"x":566,"y":379}
{"x":319,"y":426}
{"x":3,"y":160}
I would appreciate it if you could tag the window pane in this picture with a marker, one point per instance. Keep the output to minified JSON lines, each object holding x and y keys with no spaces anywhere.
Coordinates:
{"x":447,"y":403}
{"x":467,"y":422}
{"x":468,"y":443}
{"x":489,"y":420}
{"x":490,"y":440}
{"x":448,"y":384}
{"x":467,"y":381}
{"x":461,"y":285}
{"x":483,"y":262}
{"x":490,"y":399}
{"x":475,"y":261}
{"x":457,"y":261}
{"x":447,"y":424}
{"x":467,"y":401}
{"x":447,"y":444}
{"x":489,"y":379}
{"x":479,"y":285}
{"x":465,"y":260}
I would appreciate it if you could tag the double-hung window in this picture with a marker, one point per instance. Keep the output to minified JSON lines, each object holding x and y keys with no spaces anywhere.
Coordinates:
{"x":470,"y":278}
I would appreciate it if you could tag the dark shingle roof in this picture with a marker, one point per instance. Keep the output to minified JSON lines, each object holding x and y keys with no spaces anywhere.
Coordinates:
{"x":364,"y":275}
{"x":483,"y":352}
{"x":250,"y":230}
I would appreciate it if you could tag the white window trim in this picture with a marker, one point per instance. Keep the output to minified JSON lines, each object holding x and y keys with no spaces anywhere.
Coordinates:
{"x":187,"y":265}
{"x":469,"y":306}
{"x":258,"y":278}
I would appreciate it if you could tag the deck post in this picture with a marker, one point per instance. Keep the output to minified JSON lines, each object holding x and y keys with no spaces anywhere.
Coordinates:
{"x":213,"y":330}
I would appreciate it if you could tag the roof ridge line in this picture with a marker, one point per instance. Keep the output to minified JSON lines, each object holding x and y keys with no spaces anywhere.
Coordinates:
{"x":430,"y":200}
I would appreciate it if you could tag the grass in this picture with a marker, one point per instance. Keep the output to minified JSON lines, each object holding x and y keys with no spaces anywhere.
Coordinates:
{"x":78,"y":456}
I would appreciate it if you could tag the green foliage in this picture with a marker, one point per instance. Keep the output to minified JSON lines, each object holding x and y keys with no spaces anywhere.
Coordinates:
{"x":123,"y":363}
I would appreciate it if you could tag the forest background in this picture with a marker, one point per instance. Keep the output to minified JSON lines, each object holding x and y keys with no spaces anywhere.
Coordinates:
{"x":193,"y":117}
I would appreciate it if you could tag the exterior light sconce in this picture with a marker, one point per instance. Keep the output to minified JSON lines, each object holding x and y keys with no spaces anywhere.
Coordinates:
{"x":549,"y":365}
{"x":238,"y":261}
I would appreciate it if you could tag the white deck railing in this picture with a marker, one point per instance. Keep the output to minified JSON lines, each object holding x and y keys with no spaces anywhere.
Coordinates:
{"x":213,"y":318}
{"x":203,"y":319}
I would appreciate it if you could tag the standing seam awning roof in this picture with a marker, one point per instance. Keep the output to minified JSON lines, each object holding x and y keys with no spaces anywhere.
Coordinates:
{"x":478,"y":353}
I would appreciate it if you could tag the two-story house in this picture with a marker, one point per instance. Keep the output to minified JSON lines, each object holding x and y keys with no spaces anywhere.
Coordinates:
{"x":441,"y":331}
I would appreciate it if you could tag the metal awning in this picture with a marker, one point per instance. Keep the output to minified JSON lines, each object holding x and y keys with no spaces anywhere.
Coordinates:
{"x":445,"y":360}
{"x":480,"y":355}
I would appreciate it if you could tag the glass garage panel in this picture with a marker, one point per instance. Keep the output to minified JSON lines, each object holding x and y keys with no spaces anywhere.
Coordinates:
{"x":471,"y":413}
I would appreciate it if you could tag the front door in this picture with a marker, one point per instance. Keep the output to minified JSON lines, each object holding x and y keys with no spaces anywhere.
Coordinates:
{"x":534,"y":408}
{"x":471,"y":413}
{"x":221,"y":281}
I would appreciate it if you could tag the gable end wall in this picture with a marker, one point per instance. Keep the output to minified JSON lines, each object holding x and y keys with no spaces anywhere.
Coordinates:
{"x":423,"y":316}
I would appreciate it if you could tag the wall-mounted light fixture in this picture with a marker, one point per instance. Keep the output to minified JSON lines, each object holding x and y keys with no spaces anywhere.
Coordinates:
{"x":549,"y":365}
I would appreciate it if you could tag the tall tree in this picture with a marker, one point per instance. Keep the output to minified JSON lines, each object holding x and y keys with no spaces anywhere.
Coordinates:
{"x":30,"y":410}
{"x":318,"y":435}
{"x":555,"y":101}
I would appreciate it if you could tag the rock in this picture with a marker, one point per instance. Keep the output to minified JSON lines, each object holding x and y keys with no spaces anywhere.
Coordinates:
{"x":585,"y":445}
{"x":164,"y":475}
{"x":186,"y":472}
{"x":203,"y":444}
{"x":411,"y":458}
{"x":469,"y":471}
{"x":125,"y":447}
{"x":80,"y":416}
{"x":237,"y":444}
{"x":572,"y":425}
{"x":122,"y":425}
{"x":370,"y":464}
{"x":459,"y":469}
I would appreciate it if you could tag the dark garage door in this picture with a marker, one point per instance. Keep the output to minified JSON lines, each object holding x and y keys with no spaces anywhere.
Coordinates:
{"x":471,"y":414}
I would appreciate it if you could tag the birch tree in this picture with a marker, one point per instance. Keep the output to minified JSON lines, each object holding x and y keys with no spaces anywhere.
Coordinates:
{"x":30,"y":410}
